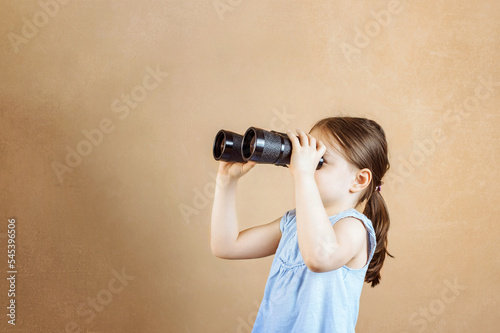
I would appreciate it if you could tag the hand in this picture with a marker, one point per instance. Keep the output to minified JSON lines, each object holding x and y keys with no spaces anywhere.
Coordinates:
{"x":306,"y":153}
{"x":235,"y":170}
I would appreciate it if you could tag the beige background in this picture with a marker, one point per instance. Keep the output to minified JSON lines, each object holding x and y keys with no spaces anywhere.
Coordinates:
{"x":279,"y":65}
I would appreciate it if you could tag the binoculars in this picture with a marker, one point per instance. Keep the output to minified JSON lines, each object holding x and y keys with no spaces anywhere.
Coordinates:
{"x":257,"y":144}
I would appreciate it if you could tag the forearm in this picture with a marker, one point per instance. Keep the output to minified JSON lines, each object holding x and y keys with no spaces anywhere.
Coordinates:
{"x":315,"y":234}
{"x":224,"y":221}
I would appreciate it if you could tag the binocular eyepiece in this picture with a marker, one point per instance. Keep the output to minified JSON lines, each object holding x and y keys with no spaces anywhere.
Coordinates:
{"x":257,"y":144}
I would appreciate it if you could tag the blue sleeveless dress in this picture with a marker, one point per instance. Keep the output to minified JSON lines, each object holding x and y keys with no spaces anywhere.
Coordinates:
{"x":299,"y":300}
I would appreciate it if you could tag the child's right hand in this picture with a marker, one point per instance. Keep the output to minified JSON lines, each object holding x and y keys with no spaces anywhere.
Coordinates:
{"x":235,"y":169}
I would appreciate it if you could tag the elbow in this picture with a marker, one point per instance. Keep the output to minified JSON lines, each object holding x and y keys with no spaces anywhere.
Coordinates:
{"x":323,"y":259}
{"x":219,"y":252}
{"x":215,"y":251}
{"x":221,"y":255}
{"x":313,"y":264}
{"x":316,"y":268}
{"x":319,"y":266}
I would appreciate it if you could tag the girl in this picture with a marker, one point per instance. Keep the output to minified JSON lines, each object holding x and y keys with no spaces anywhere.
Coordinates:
{"x":325,"y":248}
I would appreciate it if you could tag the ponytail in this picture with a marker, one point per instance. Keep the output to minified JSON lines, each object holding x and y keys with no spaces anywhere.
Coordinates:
{"x":377,"y":212}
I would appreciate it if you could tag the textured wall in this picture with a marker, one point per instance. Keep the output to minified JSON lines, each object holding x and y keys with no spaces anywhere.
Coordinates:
{"x":108,"y":114}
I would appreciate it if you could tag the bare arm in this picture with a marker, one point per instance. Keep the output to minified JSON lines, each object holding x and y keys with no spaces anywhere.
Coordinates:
{"x":324,"y":248}
{"x":224,"y":224}
{"x":227,"y":242}
{"x":316,"y":237}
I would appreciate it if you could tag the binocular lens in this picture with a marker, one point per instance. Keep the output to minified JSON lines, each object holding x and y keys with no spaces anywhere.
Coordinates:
{"x":219,"y":145}
{"x":248,"y":147}
{"x":227,"y":146}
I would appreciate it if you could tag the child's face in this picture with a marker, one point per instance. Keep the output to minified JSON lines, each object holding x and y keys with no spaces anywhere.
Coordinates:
{"x":335,"y":176}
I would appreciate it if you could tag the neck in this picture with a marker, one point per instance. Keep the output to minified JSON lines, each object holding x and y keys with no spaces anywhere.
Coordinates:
{"x":336,"y":207}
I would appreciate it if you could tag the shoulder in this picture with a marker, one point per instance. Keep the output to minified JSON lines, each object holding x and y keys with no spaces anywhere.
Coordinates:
{"x":352,"y":228}
{"x":286,"y":219}
{"x":290,"y":214}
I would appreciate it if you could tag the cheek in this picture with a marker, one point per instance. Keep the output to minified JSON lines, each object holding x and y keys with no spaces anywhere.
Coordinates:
{"x":323,"y":179}
{"x":319,"y":177}
{"x":319,"y":174}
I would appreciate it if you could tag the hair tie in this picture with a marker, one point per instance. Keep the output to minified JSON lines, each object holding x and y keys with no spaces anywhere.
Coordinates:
{"x":379,"y":188}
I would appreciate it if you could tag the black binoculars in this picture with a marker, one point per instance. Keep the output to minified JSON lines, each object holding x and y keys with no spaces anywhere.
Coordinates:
{"x":257,"y":144}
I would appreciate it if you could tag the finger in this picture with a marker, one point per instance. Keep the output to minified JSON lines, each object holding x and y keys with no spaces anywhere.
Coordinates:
{"x":322,"y":150}
{"x":318,"y":141}
{"x":312,"y":140}
{"x":304,"y":140}
{"x":247,"y":166}
{"x":293,"y":138}
{"x":321,"y":146}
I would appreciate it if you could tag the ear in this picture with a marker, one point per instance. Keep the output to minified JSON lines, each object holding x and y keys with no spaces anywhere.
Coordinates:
{"x":362,"y":179}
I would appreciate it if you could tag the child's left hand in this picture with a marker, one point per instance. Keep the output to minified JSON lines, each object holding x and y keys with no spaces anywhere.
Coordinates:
{"x":306,"y":153}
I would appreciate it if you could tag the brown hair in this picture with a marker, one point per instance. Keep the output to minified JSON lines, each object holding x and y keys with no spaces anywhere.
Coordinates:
{"x":363,"y":144}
